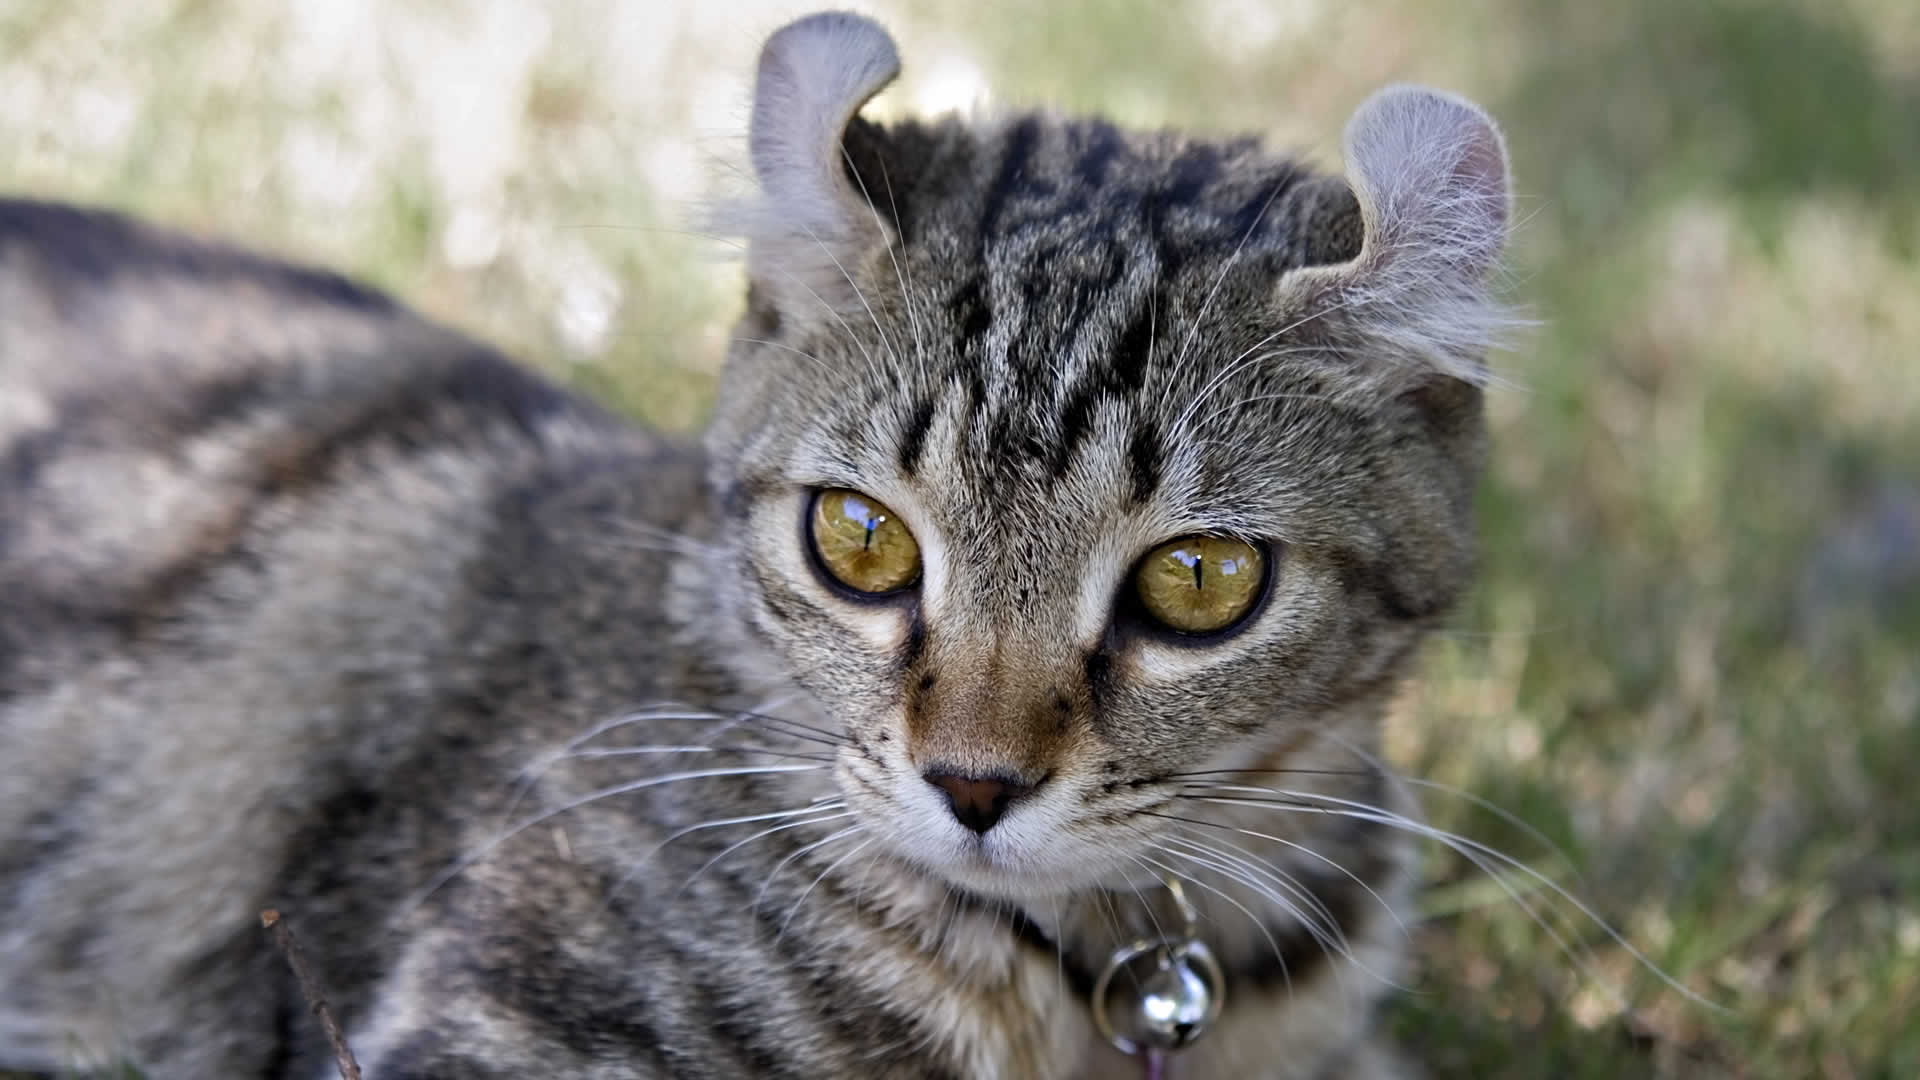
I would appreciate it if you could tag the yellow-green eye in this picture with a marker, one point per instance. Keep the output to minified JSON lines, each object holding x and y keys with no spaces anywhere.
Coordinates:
{"x":862,"y":544}
{"x":1200,"y":584}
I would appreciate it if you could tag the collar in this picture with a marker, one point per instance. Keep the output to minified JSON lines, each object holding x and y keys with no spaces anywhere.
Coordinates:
{"x":1152,"y":996}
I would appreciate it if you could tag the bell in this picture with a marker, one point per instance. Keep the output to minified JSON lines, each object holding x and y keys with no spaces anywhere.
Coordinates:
{"x":1159,"y":996}
{"x":1174,"y":1002}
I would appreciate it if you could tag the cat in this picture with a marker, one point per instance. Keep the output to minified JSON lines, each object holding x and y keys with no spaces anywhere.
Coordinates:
{"x":1074,"y":500}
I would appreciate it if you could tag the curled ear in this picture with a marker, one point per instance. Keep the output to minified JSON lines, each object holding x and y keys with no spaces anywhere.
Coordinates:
{"x":1429,"y":171}
{"x":810,"y":226}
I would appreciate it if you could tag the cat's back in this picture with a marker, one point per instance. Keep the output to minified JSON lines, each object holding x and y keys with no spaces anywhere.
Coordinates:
{"x":264,"y":546}
{"x":157,"y":391}
{"x":170,"y":409}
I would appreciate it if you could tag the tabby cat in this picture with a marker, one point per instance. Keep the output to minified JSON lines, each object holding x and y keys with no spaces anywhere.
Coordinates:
{"x":1018,"y":635}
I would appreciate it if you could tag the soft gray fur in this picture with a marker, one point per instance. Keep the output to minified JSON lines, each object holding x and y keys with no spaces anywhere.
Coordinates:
{"x":561,"y":755}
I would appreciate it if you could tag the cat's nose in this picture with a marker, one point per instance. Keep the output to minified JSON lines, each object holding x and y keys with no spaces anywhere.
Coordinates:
{"x":977,"y":801}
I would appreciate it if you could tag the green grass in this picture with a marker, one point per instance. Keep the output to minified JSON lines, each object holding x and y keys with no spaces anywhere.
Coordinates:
{"x":1692,"y":663}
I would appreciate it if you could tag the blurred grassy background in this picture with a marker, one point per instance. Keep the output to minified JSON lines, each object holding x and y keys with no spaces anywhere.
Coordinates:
{"x":1694,"y":663}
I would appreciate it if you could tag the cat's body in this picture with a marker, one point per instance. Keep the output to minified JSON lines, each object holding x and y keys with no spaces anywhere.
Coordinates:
{"x":309,"y":604}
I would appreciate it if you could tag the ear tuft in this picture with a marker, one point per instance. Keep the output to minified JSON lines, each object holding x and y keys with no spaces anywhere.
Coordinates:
{"x":1429,"y":170}
{"x":814,"y":74}
{"x":809,"y":226}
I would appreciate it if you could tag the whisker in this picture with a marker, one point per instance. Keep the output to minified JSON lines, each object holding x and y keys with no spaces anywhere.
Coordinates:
{"x":666,"y":712}
{"x":1328,"y":934}
{"x":1243,"y":875}
{"x":1302,"y":849}
{"x":1241,"y":403}
{"x":680,"y":541}
{"x":1249,"y":772}
{"x":1476,"y":859}
{"x":530,"y":774}
{"x":738,"y":844}
{"x":1112,"y":915}
{"x":826,"y":808}
{"x":1245,"y":360}
{"x":886,"y":343}
{"x":802,"y":353}
{"x":460,"y":865}
{"x":761,"y":896}
{"x":795,"y":729}
{"x":1252,"y":866}
{"x":1475,"y":852}
{"x":642,"y":751}
{"x":1327,"y":945}
{"x":1059,"y":950}
{"x":1144,"y":906}
{"x":651,"y":545}
{"x":818,"y":878}
{"x":1397,"y":778}
{"x":735,"y":243}
{"x":1278,"y":955}
{"x":634,"y":716}
{"x":1179,"y":361}
{"x":779,"y":725}
{"x":906,"y":294}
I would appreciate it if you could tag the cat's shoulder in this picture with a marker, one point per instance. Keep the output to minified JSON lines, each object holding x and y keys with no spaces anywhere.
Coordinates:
{"x":100,"y":313}
{"x":158,"y":391}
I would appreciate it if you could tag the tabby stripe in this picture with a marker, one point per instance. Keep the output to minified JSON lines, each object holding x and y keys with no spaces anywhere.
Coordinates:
{"x":98,"y":247}
{"x":913,"y":438}
{"x":1103,"y":145}
{"x":1120,"y":379}
{"x":870,"y":1023}
{"x":428,"y":1055}
{"x":916,"y":644}
{"x":1020,"y":144}
{"x":1144,"y":455}
{"x":479,"y":383}
{"x":1270,"y":193}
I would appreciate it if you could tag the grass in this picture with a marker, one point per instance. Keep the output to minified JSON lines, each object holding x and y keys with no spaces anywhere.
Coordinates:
{"x":1694,"y":661}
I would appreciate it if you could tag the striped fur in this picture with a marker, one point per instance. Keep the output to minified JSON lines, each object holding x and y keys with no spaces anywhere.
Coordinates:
{"x":565,"y":760}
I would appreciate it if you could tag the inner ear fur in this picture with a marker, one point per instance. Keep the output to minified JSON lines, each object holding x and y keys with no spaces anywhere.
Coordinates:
{"x":810,"y":226}
{"x":1429,"y":176}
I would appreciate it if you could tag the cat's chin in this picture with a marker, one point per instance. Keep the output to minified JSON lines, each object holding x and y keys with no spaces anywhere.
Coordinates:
{"x":1037,"y":853}
{"x":998,"y":884}
{"x":1024,"y":879}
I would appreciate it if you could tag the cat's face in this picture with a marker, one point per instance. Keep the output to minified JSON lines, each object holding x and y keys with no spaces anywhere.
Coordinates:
{"x":1060,"y":461}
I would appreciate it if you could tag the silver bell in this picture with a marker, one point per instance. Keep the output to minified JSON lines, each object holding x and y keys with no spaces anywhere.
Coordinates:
{"x":1158,"y":995}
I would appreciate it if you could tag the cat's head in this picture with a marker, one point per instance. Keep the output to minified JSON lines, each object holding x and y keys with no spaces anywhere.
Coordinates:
{"x":1057,"y":459}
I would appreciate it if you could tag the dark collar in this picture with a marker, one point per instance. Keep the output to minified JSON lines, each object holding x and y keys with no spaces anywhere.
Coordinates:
{"x":1299,"y":954}
{"x":1077,"y":975}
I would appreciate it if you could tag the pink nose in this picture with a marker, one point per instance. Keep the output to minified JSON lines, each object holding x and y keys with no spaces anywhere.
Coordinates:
{"x":978,"y":801}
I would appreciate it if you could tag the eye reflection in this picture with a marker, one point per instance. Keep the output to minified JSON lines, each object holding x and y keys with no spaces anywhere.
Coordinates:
{"x":855,"y":509}
{"x":861,"y":543}
{"x":1200,"y":584}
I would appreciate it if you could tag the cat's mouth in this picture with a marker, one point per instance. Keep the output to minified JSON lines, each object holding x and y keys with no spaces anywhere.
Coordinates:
{"x":1033,"y":848}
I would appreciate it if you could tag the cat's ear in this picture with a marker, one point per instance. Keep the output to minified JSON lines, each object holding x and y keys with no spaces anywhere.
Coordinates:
{"x":808,"y":231}
{"x":1429,"y":171}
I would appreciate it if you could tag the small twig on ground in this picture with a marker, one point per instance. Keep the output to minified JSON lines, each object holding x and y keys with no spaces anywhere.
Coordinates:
{"x":316,"y":1000}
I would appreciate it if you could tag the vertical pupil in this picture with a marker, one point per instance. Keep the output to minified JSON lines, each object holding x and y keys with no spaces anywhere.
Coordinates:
{"x":854,"y":509}
{"x":1193,"y":562}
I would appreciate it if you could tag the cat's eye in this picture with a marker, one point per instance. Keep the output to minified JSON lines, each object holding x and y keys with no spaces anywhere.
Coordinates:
{"x":1201,"y":584}
{"x":861,"y":543}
